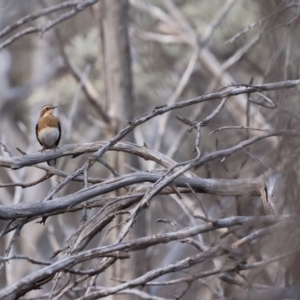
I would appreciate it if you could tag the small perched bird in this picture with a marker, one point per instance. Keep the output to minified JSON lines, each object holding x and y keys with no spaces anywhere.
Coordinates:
{"x":48,"y":130}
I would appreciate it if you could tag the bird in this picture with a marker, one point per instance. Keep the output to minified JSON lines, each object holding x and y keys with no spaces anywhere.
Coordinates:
{"x":48,"y":130}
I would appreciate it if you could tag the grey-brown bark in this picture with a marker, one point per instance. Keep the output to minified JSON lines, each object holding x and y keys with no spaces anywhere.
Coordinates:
{"x":119,"y":97}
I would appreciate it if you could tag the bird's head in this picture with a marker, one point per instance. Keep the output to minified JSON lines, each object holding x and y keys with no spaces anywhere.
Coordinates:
{"x":47,"y":110}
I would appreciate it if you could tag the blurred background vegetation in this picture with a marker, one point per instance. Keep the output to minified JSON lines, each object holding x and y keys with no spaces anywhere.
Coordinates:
{"x":178,"y":50}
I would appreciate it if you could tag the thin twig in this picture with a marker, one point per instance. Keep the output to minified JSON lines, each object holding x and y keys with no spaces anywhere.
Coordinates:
{"x":42,"y":29}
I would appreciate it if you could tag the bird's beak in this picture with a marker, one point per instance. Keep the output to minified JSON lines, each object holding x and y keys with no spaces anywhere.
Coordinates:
{"x":54,"y":107}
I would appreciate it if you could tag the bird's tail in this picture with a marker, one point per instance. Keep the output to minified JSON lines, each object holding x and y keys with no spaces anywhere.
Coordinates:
{"x":51,"y":162}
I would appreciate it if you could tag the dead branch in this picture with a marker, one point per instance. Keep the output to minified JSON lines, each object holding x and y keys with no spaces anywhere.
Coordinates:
{"x":42,"y":29}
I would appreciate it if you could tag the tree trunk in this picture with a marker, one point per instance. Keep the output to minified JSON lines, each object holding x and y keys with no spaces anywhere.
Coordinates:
{"x":119,"y":99}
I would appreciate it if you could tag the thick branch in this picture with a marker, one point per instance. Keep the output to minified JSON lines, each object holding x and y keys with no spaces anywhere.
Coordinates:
{"x":232,"y":187}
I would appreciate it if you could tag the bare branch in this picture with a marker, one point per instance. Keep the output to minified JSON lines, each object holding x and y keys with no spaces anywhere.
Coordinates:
{"x":212,"y":186}
{"x":79,"y":7}
{"x":37,"y":15}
